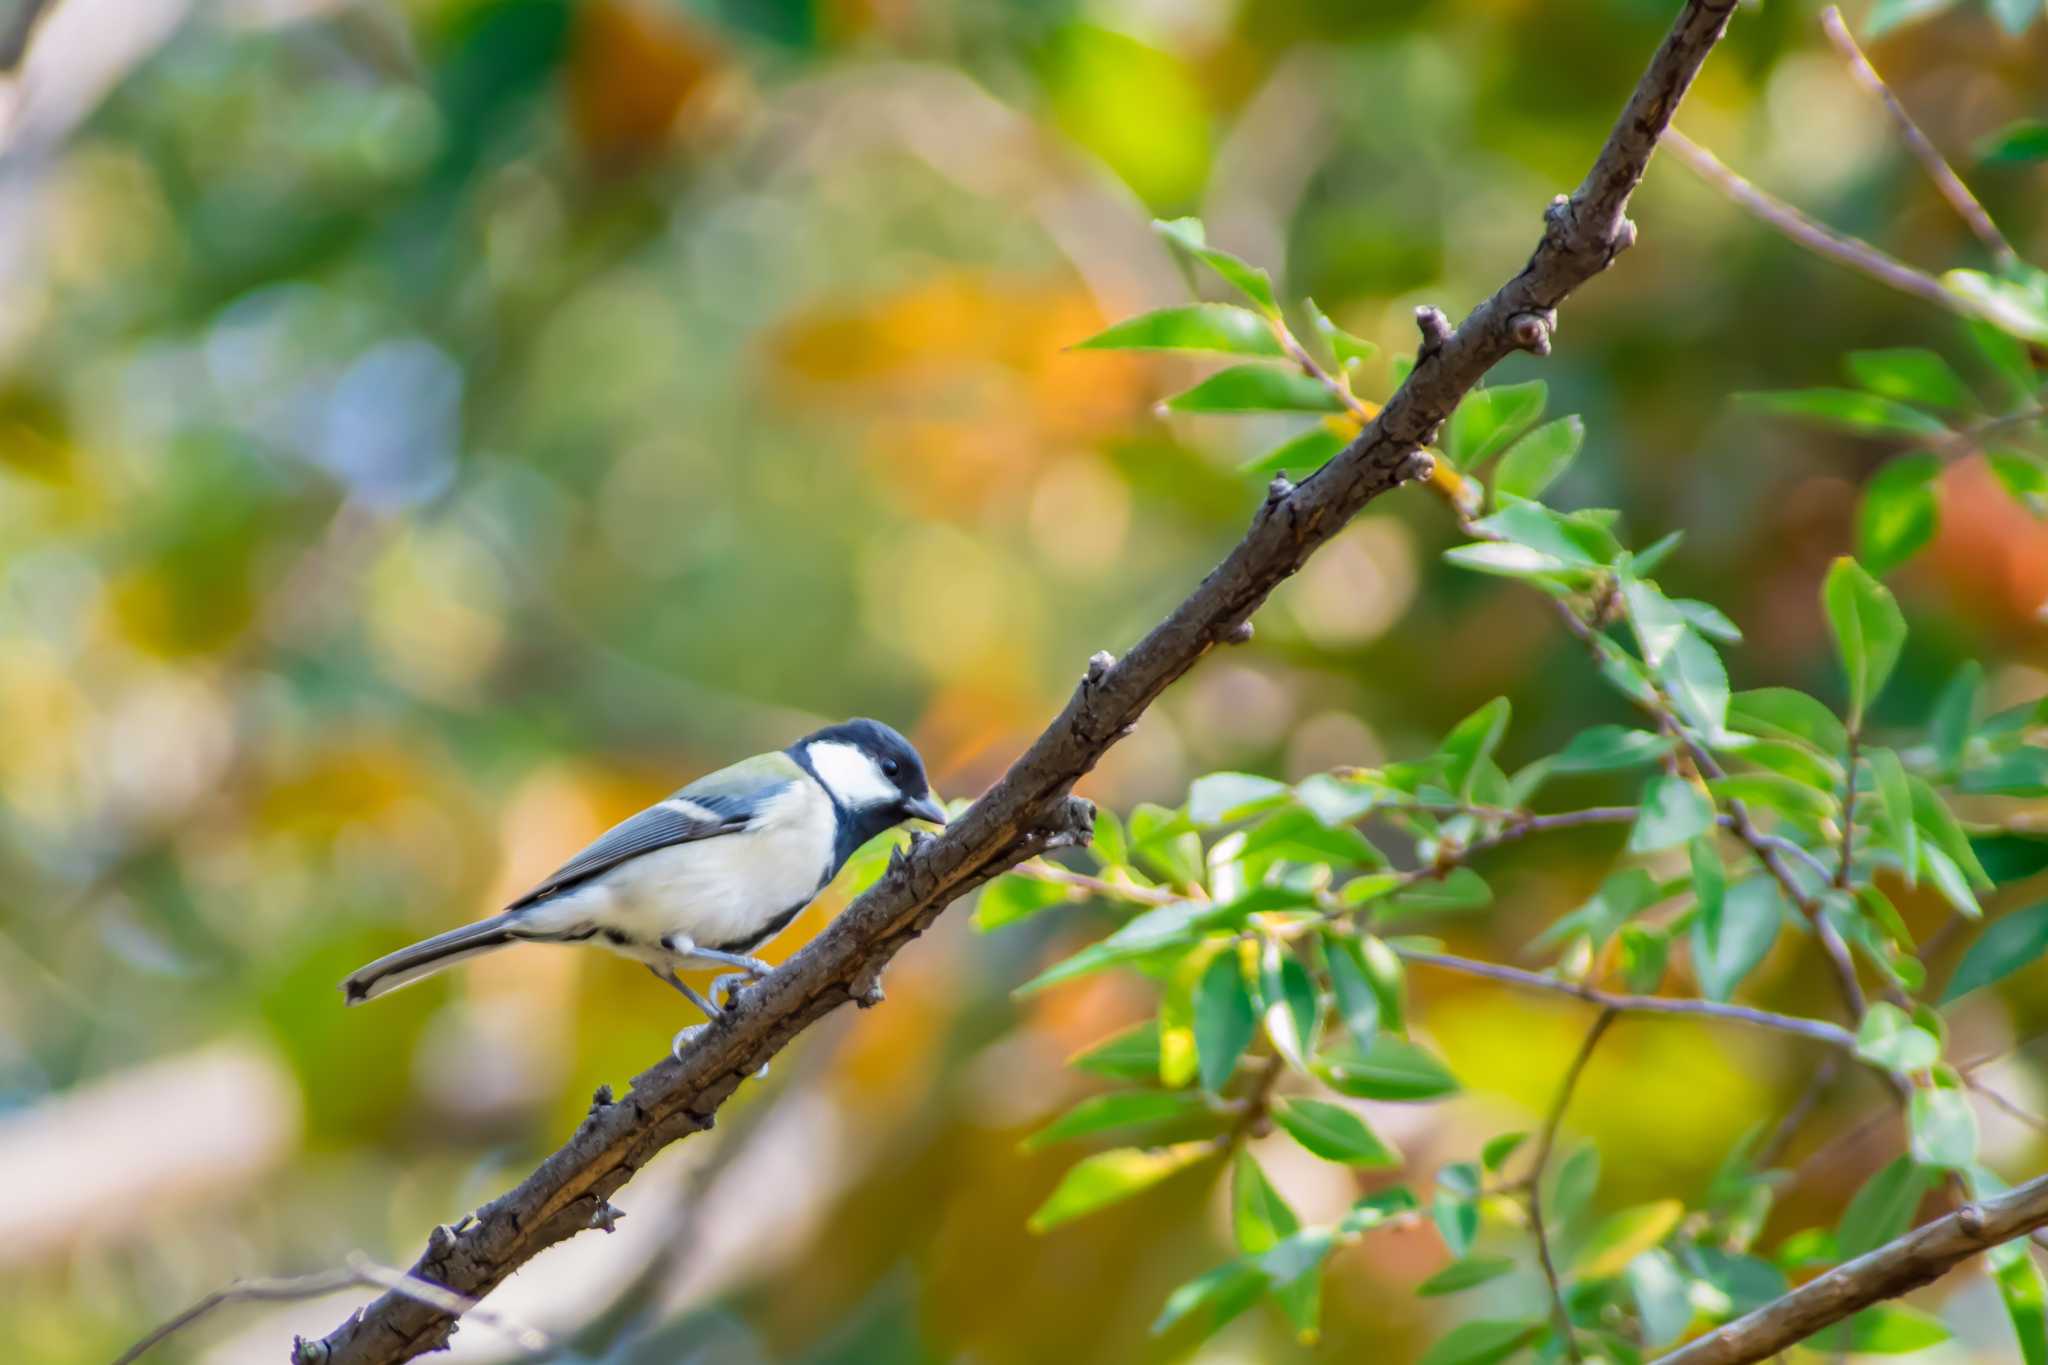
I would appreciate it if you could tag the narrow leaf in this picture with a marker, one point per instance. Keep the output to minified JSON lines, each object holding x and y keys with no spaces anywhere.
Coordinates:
{"x":1108,"y":1177}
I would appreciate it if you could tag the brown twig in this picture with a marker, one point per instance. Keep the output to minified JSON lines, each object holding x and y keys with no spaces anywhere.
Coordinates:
{"x":1817,"y":1030}
{"x":1920,"y":1257}
{"x":1814,"y":235}
{"x":1931,"y":160}
{"x":1546,"y":1140}
{"x":1029,"y":810}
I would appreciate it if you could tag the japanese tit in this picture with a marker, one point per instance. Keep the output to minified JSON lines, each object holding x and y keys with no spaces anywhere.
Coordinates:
{"x":709,"y":875}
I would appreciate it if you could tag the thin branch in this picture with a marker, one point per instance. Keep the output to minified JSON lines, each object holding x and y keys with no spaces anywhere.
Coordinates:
{"x":1802,"y":1109}
{"x":1931,"y":160}
{"x":1841,"y":877}
{"x":1560,"y":1317}
{"x":1918,"y":1258}
{"x":360,"y":1270}
{"x":1817,"y":1030}
{"x":1030,"y":810}
{"x":1812,"y":234}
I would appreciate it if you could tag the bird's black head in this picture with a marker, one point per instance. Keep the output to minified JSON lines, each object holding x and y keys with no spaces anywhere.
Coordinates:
{"x":873,"y":775}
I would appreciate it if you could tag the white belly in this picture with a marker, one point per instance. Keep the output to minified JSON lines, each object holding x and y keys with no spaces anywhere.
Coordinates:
{"x":712,"y":892}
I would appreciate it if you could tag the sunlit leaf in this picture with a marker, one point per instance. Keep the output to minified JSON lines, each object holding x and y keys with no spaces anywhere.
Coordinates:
{"x":1911,"y":374}
{"x":1471,"y":743}
{"x":1483,"y":1342}
{"x":1883,"y":1209}
{"x":1349,"y":350}
{"x":1943,"y":1127}
{"x":1888,"y":1038}
{"x":1219,"y":797}
{"x":1539,"y":459}
{"x":2021,"y":1288}
{"x":1189,"y":235}
{"x":1225,"y":1018}
{"x":1123,"y":1109}
{"x":1610,"y":748}
{"x":2016,"y":305}
{"x":1218,"y":327}
{"x":2007,"y":944}
{"x":1672,"y":811}
{"x":1291,"y":1006}
{"x":1847,"y":409}
{"x":1255,"y":388}
{"x":2023,"y":476}
{"x":1752,"y":912}
{"x":1213,"y":1298}
{"x":1312,"y":449}
{"x":1623,"y":1236}
{"x":1465,"y":1274}
{"x":1487,"y":419}
{"x":1015,"y":897}
{"x":1390,"y":1068}
{"x":1868,"y":628}
{"x":1663,"y":1297}
{"x":1132,"y":1055}
{"x":1259,"y":1218}
{"x":1785,"y":712}
{"x":1899,"y":512}
{"x":1698,"y":684}
{"x":2020,"y":141}
{"x":1458,"y":889}
{"x":1494,"y":1155}
{"x":1108,"y":1177}
{"x":1885,"y":1329}
{"x":1333,"y":1132}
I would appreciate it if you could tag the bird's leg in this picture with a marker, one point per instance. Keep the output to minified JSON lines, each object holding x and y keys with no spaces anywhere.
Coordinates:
{"x":752,"y":966}
{"x":726,"y":989}
{"x":668,"y":974}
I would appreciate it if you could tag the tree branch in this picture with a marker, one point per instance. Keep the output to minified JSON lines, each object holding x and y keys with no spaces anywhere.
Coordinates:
{"x":1918,"y":1258}
{"x":1931,"y":160}
{"x":1561,"y":1318}
{"x":1029,"y":810}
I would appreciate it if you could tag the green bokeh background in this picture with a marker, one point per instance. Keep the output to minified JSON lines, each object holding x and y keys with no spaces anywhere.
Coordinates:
{"x":431,"y":429}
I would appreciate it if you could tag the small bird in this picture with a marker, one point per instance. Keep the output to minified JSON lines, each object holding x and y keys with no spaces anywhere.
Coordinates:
{"x":709,"y":875}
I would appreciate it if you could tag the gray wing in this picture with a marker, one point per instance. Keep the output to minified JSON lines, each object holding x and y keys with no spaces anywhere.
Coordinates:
{"x":716,"y":804}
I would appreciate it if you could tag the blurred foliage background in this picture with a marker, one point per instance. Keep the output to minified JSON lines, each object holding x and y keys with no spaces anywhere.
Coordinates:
{"x":430,"y":429}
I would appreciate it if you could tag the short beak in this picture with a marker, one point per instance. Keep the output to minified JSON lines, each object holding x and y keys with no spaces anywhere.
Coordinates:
{"x":925,"y":808}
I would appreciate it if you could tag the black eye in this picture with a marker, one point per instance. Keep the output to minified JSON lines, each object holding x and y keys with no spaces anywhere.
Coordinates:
{"x":890,"y":767}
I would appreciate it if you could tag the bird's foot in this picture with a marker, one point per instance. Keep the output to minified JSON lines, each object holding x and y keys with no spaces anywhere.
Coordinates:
{"x":725,"y":990}
{"x":675,"y":1049}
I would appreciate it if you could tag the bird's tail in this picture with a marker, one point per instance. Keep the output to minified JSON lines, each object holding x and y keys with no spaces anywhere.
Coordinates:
{"x":428,"y":956}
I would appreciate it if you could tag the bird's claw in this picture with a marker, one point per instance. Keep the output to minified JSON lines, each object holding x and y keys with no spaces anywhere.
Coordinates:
{"x":725,"y":990}
{"x":675,"y":1049}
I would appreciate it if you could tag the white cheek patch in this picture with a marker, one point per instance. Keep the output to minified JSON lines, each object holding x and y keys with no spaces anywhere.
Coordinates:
{"x":851,"y":775}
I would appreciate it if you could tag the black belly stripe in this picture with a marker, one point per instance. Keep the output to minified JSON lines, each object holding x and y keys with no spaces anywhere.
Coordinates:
{"x":766,"y":932}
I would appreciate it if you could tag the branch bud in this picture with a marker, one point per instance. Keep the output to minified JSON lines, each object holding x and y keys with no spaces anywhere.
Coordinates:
{"x":1435,"y":328}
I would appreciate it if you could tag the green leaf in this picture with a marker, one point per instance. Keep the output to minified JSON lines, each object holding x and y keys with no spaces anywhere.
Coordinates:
{"x":1466,"y":1274}
{"x":1255,"y":388}
{"x":1889,"y":1038}
{"x":1708,"y":620}
{"x":1259,"y":1217}
{"x":1938,"y":823}
{"x":1217,"y":1296}
{"x":1123,"y":1109}
{"x":1943,"y":1127}
{"x":1573,"y":1184}
{"x":1351,"y":984}
{"x":1869,"y":631}
{"x":1619,"y":897}
{"x":1189,"y":235}
{"x":2011,"y":857}
{"x":1751,"y":915}
{"x":1610,"y":748}
{"x":2006,"y":354}
{"x":1291,"y":1006}
{"x":2021,"y":1287}
{"x":1484,"y":1342}
{"x":1349,"y":350}
{"x":1222,"y":797}
{"x":1672,"y":811}
{"x":1196,"y":327}
{"x":1389,"y":1069}
{"x":2024,"y":478}
{"x":1539,"y":459}
{"x":1886,"y":1329}
{"x":1657,"y":622}
{"x":1900,"y":511}
{"x":1698,"y":684}
{"x":2007,"y":944}
{"x":1312,"y":449}
{"x":1459,"y":889}
{"x":1568,"y":540}
{"x":1663,"y":1297}
{"x":1948,"y":729}
{"x":2018,"y":772}
{"x":2014,"y":16}
{"x":1132,"y":1055}
{"x":1787,"y":796}
{"x":1887,"y":15}
{"x":1168,"y":926}
{"x":1292,"y":1269}
{"x":2022,"y":141}
{"x":1109,"y":1177}
{"x":1911,"y":374}
{"x":1470,"y":744}
{"x":1883,"y":1209}
{"x":1225,"y":1018}
{"x":2018,"y":306}
{"x":1623,"y":1236}
{"x":1645,"y":951}
{"x":1847,"y":410}
{"x":1333,"y":1133}
{"x":1494,"y":1155}
{"x":1455,"y":1207}
{"x":1488,"y":419}
{"x":1014,"y":897}
{"x":1784,"y":712}
{"x":1895,"y":807}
